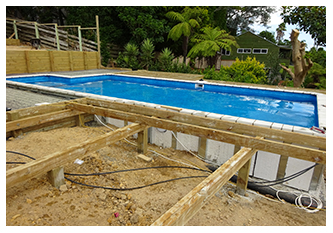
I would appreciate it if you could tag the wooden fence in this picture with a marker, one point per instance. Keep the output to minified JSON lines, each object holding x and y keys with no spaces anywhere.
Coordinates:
{"x":32,"y":61}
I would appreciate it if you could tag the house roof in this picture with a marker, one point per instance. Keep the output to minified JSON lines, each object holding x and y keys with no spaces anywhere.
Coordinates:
{"x":280,"y":46}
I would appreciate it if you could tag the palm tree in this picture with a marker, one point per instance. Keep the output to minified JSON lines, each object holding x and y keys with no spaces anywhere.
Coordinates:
{"x":188,"y":20}
{"x":210,"y":43}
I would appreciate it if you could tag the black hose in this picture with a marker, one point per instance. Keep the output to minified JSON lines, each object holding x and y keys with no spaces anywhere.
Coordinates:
{"x":138,"y":187}
{"x":267,"y":190}
{"x":18,"y":153}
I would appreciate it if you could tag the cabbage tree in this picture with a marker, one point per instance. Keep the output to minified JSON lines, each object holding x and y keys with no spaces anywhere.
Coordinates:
{"x":210,"y":42}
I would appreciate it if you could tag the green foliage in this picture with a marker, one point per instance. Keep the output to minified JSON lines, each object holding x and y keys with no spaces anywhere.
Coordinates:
{"x":147,"y":53}
{"x":129,"y":58}
{"x":210,"y":42}
{"x":165,"y":59}
{"x":316,"y":77}
{"x":318,"y":56}
{"x":249,"y":71}
{"x":310,"y":19}
{"x":268,"y":36}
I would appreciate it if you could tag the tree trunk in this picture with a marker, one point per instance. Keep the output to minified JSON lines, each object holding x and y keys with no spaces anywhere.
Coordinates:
{"x":301,"y":65}
{"x":185,"y":44}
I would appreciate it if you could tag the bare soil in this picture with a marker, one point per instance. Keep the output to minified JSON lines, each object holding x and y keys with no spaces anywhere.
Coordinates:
{"x":36,"y":202}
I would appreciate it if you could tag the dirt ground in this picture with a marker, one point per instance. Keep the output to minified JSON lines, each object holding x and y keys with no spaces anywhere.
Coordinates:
{"x":36,"y":202}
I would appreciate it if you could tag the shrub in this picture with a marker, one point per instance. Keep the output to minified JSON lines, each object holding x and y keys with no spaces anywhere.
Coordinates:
{"x":250,"y":71}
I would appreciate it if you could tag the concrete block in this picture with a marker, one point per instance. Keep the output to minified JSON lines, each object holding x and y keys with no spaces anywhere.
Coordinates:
{"x":190,"y":142}
{"x":265,"y":166}
{"x":160,"y":138}
{"x":276,"y":126}
{"x":262,"y":123}
{"x":219,"y":152}
{"x":229,"y":118}
{"x":115,"y":122}
{"x":295,"y":165}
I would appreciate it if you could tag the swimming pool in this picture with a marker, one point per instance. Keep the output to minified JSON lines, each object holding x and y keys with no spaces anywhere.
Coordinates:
{"x":289,"y":108}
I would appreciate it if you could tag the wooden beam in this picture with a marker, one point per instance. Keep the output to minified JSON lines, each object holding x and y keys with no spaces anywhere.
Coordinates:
{"x":41,"y":166}
{"x":275,"y":134}
{"x":291,"y":150}
{"x":40,"y":119}
{"x":190,"y":204}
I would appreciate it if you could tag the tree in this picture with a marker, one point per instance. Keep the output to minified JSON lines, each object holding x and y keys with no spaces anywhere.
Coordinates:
{"x":268,"y":36}
{"x":302,"y":64}
{"x":310,"y":19}
{"x":188,"y":20}
{"x":235,"y":19}
{"x":280,"y":32}
{"x":211,"y":41}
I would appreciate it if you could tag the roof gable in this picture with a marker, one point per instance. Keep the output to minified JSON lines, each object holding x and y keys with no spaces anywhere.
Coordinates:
{"x":248,"y":32}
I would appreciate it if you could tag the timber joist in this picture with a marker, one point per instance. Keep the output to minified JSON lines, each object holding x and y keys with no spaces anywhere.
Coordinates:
{"x":229,"y":132}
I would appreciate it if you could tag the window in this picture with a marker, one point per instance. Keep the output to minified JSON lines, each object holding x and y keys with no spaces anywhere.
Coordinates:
{"x":225,"y":52}
{"x":243,"y":50}
{"x":260,"y":51}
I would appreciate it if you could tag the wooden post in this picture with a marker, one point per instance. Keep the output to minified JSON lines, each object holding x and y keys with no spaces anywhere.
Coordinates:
{"x":174,"y":141}
{"x":202,"y":147}
{"x":57,"y":36}
{"x":282,"y":167}
{"x":27,"y":60}
{"x":36,"y":30}
{"x":15,"y":29}
{"x":51,"y":61}
{"x":98,"y":43}
{"x":85,"y":60}
{"x":243,"y":177}
{"x":80,"y":39}
{"x":56,"y":177}
{"x":317,"y":174}
{"x":71,"y":66}
{"x":143,"y":141}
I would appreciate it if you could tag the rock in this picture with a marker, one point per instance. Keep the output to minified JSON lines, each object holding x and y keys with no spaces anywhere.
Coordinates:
{"x":231,"y":193}
{"x":110,"y":219}
{"x":134,"y":219}
{"x":63,"y":188}
{"x":29,"y":201}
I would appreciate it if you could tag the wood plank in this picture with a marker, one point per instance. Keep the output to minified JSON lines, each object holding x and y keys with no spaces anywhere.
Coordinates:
{"x":189,"y":205}
{"x":41,"y":166}
{"x":291,"y":150}
{"x":298,"y":138}
{"x":40,"y":119}
{"x":62,"y":123}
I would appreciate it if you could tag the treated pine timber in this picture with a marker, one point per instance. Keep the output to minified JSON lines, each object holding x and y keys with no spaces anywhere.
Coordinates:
{"x":62,"y":123}
{"x":142,"y":141}
{"x":189,"y":205}
{"x":40,"y":119}
{"x":275,"y":134}
{"x":243,"y":178}
{"x":291,"y":150}
{"x":43,"y":165}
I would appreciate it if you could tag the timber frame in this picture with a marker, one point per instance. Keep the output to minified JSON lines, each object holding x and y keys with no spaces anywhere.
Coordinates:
{"x":70,"y":113}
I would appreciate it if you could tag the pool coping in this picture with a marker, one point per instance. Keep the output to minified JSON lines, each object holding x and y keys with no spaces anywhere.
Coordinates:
{"x":321,"y":100}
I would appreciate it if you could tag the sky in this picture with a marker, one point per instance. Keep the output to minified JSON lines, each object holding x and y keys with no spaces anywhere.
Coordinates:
{"x":274,"y":23}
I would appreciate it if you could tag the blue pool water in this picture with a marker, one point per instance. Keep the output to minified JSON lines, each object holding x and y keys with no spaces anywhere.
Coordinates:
{"x":273,"y":106}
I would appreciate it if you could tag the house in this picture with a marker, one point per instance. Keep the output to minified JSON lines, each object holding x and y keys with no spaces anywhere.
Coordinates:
{"x":252,"y":45}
